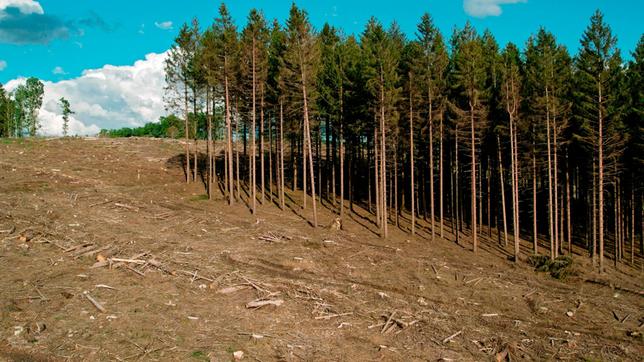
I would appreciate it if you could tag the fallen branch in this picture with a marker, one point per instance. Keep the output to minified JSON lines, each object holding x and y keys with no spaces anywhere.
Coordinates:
{"x":126,"y":206}
{"x":133,"y":261}
{"x":261,"y":303}
{"x":387,"y":322}
{"x":327,"y":317}
{"x":94,"y":302}
{"x":448,"y":339}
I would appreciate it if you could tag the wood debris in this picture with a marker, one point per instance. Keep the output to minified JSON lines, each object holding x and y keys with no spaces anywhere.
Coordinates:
{"x":94,"y":302}
{"x":261,"y":303}
{"x":450,"y":338}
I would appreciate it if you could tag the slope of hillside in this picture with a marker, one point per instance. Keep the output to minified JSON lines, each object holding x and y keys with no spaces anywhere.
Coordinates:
{"x":106,"y":253}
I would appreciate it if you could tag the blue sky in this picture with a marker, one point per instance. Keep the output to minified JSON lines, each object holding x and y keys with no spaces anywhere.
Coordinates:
{"x":119,"y":32}
{"x":106,"y":56}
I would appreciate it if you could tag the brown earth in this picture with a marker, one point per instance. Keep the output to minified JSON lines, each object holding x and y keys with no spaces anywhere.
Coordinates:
{"x":345,"y":295}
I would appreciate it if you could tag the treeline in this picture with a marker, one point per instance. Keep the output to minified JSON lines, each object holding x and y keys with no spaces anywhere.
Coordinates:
{"x":537,"y":144}
{"x":167,"y":127}
{"x":19,"y":109}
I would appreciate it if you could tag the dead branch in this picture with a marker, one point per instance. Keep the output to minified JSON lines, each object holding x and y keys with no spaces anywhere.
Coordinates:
{"x":94,"y":302}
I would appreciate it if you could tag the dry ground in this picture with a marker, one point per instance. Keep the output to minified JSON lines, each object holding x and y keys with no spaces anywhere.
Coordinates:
{"x":346,"y":295}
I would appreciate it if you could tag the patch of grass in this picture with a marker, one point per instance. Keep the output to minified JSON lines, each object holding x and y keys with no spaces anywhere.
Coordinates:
{"x":200,"y":355}
{"x":199,"y":197}
{"x":559,"y":268}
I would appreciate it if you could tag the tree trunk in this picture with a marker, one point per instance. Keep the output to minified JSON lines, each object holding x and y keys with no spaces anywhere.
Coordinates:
{"x":237,"y":151}
{"x":187,"y":130}
{"x":551,"y":221}
{"x":569,"y":225}
{"x":253,"y":173}
{"x":440,"y":176}
{"x":411,"y":157}
{"x":473,"y":177}
{"x":341,"y":160}
{"x":262,"y":151}
{"x":307,"y":132}
{"x":209,"y":118}
{"x":535,"y":234}
{"x":383,"y":159}
{"x":431,"y":165}
{"x":229,"y":141}
{"x":282,"y":201}
{"x":600,"y":182}
{"x":505,"y":218}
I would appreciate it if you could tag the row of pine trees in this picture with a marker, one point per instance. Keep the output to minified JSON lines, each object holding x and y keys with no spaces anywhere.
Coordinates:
{"x":538,"y":147}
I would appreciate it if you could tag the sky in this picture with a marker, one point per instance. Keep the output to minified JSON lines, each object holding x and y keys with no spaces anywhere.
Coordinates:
{"x":106,"y":57}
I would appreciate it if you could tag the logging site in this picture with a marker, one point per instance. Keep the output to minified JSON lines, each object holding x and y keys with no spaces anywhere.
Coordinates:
{"x":303,"y":182}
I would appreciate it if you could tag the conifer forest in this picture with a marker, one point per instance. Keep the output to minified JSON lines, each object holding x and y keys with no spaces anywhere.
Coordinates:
{"x":540,"y":147}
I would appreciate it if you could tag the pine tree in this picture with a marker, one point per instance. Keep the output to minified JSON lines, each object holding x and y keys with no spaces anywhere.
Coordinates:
{"x":299,"y":64}
{"x":227,"y":48}
{"x":381,"y":58}
{"x":431,"y":68}
{"x":254,"y":42}
{"x":469,"y":82}
{"x":598,"y":67}
{"x":178,"y":80}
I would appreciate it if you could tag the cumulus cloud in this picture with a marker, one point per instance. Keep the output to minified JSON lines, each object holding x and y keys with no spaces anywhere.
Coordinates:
{"x":163,"y":25}
{"x":108,"y":97}
{"x":24,"y":6}
{"x":483,"y":8}
{"x":25,"y":22}
{"x":3,"y":65}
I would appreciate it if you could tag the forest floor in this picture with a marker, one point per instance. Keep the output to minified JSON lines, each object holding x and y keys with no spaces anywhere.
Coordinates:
{"x":208,"y":281}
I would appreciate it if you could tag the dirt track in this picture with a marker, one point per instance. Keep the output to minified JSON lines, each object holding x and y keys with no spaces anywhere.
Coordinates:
{"x":345,"y":295}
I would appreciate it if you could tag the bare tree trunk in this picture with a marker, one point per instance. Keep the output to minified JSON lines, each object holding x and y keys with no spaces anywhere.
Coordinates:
{"x":440,"y":176}
{"x":551,"y":221}
{"x":535,"y":234}
{"x":252,"y":142}
{"x":270,"y":159}
{"x":383,"y":159}
{"x":209,"y":118}
{"x":594,"y":213}
{"x":632,"y":221}
{"x":237,"y":151}
{"x":187,"y":130}
{"x":515,"y":186}
{"x":473,"y":177}
{"x":304,"y":159}
{"x":569,"y":226}
{"x":377,"y":179}
{"x":411,"y":157}
{"x":308,"y":142}
{"x":601,"y":179}
{"x":262,"y":151}
{"x":456,"y":177}
{"x":431,"y":165}
{"x":488,"y":178}
{"x":282,"y":201}
{"x":229,"y":142}
{"x":505,"y":218}
{"x":341,"y":160}
{"x":555,"y":181}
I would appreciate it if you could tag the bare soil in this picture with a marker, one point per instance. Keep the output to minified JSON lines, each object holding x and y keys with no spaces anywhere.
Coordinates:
{"x":332,"y":295}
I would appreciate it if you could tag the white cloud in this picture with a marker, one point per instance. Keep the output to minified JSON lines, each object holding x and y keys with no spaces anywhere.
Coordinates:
{"x":108,"y":97}
{"x":483,"y":8}
{"x":24,"y":6}
{"x":3,"y":65}
{"x":164,"y":25}
{"x":58,"y":70}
